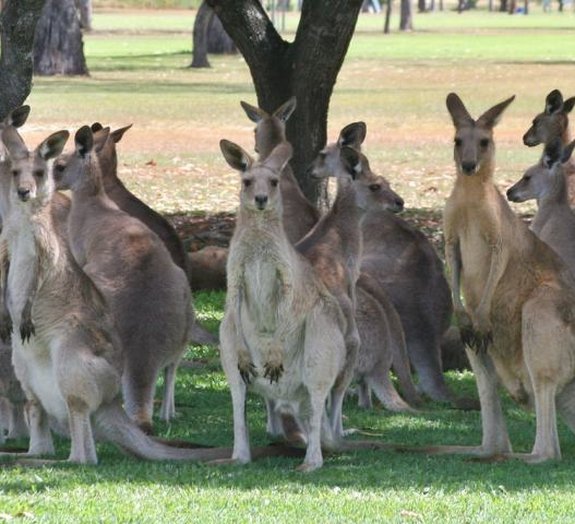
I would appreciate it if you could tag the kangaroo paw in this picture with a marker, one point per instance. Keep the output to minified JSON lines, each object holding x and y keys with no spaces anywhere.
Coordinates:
{"x":478,"y":341}
{"x":273,"y":371}
{"x":27,"y":329}
{"x":248,"y":372}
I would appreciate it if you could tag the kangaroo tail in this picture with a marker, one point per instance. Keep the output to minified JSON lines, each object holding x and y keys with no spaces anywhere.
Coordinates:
{"x":112,"y":424}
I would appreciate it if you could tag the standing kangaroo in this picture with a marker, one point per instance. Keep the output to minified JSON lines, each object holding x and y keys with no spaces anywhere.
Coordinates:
{"x":147,"y":293}
{"x":67,"y":355}
{"x":551,"y":124}
{"x":133,"y":206}
{"x":281,"y":334}
{"x":519,"y":296}
{"x":554,"y":222}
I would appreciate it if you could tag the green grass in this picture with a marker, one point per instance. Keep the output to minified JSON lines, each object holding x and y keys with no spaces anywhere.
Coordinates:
{"x":397,"y":84}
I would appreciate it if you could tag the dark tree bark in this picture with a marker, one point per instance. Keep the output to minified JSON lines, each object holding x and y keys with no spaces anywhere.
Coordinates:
{"x":58,"y":48}
{"x":405,"y":17}
{"x":503,"y":6}
{"x":307,"y":67}
{"x":17,"y":25}
{"x":421,"y":7}
{"x":388,"y":8}
{"x":209,"y":37}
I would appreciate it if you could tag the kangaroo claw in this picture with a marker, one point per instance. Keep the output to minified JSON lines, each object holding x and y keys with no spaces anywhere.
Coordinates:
{"x":273,"y":372}
{"x":248,"y":372}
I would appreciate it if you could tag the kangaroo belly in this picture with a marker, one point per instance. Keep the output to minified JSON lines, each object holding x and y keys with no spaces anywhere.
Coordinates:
{"x":262,"y":292}
{"x":475,"y":263}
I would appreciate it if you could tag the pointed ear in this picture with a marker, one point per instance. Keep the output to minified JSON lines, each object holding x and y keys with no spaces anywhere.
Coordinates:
{"x":235,"y":156}
{"x":18,"y":116}
{"x":352,"y":135}
{"x":100,"y":138}
{"x":119,"y":133}
{"x":284,"y":111}
{"x":53,"y":145}
{"x":255,"y":114}
{"x":13,"y":142}
{"x":351,"y":160}
{"x":457,"y":110}
{"x":492,"y":116}
{"x":279,"y":157}
{"x":96,"y":126}
{"x":553,"y":102}
{"x":567,"y":152}
{"x":568,"y":105}
{"x":84,"y":141}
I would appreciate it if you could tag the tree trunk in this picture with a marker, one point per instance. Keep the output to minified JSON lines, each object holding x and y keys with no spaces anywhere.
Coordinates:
{"x":58,"y":48}
{"x":85,"y":11}
{"x":405,"y":18}
{"x":307,"y":67}
{"x":503,"y":6}
{"x":17,"y":25}
{"x":387,"y":16}
{"x":421,"y":7}
{"x":200,"y":35}
{"x":219,"y":42}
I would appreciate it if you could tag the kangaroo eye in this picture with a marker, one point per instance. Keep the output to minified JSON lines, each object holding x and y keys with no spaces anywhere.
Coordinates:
{"x":59,"y":168}
{"x":458,"y":142}
{"x":274,"y":182}
{"x":15,"y":172}
{"x":247,"y":182}
{"x":484,"y":142}
{"x":375,"y":187}
{"x":39,"y":173}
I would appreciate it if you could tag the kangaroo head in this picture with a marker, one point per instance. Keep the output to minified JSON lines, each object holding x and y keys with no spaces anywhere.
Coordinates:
{"x":328,"y":161}
{"x":552,"y":122}
{"x":16,"y":118}
{"x":31,"y":171}
{"x":372,"y":192}
{"x":260,"y":189}
{"x":539,"y":180}
{"x":474,"y":147}
{"x":72,"y":169}
{"x":270,"y":129}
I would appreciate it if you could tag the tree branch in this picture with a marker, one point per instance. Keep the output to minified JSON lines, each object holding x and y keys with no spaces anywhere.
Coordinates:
{"x":17,"y":25}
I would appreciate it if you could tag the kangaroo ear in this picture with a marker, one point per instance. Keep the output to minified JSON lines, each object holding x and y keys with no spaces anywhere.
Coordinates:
{"x":352,"y":161}
{"x":567,"y":152}
{"x":352,"y":135}
{"x":53,"y":145}
{"x":18,"y":117}
{"x":492,"y":116}
{"x":96,"y":126}
{"x":84,"y":141}
{"x":568,"y":105}
{"x":279,"y":157}
{"x":553,"y":102}
{"x":119,"y":133}
{"x":100,"y":138}
{"x":284,"y":111}
{"x":552,"y":153}
{"x":13,"y":142}
{"x":457,"y":110}
{"x":235,"y":156}
{"x":255,"y":114}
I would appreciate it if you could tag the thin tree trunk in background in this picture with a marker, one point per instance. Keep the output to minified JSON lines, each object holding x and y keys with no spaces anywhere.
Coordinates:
{"x":58,"y":47}
{"x":307,"y":67}
{"x":200,"y":35}
{"x":85,"y":11}
{"x":17,"y":25}
{"x":387,"y":16}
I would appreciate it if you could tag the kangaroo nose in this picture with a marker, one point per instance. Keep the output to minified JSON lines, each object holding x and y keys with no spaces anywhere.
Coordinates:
{"x":399,"y":203}
{"x":23,"y":194}
{"x":261,"y":201}
{"x":468,"y":167}
{"x":511,"y":195}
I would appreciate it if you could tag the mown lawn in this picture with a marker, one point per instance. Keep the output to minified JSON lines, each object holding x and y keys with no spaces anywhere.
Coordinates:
{"x":397,"y":84}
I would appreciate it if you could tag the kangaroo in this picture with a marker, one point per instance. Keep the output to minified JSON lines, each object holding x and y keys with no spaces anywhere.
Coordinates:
{"x":553,"y":123}
{"x":554,"y":222}
{"x":133,"y":206}
{"x":12,"y":399}
{"x":147,"y":293}
{"x":281,"y":334}
{"x":373,"y":193}
{"x":519,"y":296}
{"x":68,"y":357}
{"x":299,"y":214}
{"x":404,"y":262}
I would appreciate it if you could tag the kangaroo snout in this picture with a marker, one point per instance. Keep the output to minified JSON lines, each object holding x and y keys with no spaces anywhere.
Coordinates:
{"x":261,"y":201}
{"x":468,"y":167}
{"x":512,"y":195}
{"x":528,"y":141}
{"x":24,"y":193}
{"x":398,"y":205}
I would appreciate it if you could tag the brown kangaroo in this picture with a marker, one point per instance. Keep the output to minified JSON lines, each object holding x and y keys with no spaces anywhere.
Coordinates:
{"x":147,"y":293}
{"x":554,"y":222}
{"x":519,"y":296}
{"x":67,"y":355}
{"x":551,"y":124}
